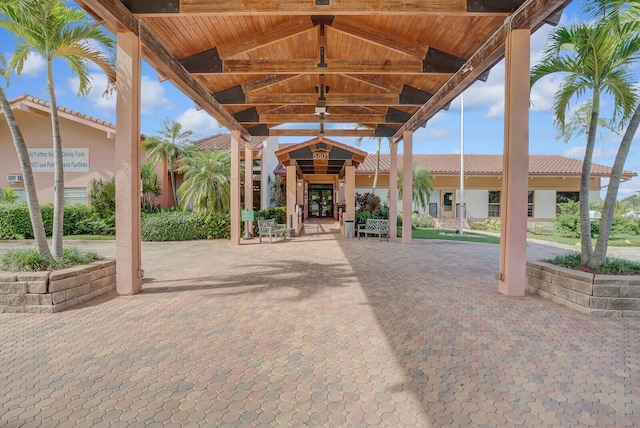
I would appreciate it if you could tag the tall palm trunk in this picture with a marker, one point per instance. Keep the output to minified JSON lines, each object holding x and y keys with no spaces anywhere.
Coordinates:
{"x":172,"y":176}
{"x":27,"y":176}
{"x":58,"y":185}
{"x":600,"y":252}
{"x":585,"y":180}
{"x":375,"y":177}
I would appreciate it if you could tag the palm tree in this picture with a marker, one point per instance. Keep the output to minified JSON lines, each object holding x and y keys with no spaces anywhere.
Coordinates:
{"x":207,"y":183}
{"x":624,"y":16}
{"x":151,"y":187}
{"x":358,"y":143}
{"x":27,"y":174}
{"x":422,"y":181}
{"x":53,"y":30}
{"x":593,"y":62}
{"x":169,"y":146}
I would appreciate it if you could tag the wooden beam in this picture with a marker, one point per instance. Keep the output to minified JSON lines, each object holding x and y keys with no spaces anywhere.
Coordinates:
{"x":334,"y":66}
{"x":530,"y":15}
{"x":234,"y":96}
{"x":325,"y":7}
{"x":493,"y":6}
{"x":118,"y":18}
{"x":310,"y":118}
{"x":266,"y":81}
{"x":272,"y":35}
{"x":376,"y":81}
{"x":373,"y":35}
{"x":326,"y":133}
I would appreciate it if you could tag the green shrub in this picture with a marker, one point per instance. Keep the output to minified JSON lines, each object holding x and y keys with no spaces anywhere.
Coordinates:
{"x":17,"y":215}
{"x":362,"y":216}
{"x":422,"y":221}
{"x":279,"y":214}
{"x":31,"y":259}
{"x":75,"y":217}
{"x":611,"y":266}
{"x":172,"y":226}
{"x":7,"y":231}
{"x":540,"y":229}
{"x":102,"y":197}
{"x":491,"y":224}
{"x":568,"y":220}
{"x":217,"y":226}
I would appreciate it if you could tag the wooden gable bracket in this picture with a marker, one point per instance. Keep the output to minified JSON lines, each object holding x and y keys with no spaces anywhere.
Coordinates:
{"x":261,"y":130}
{"x":152,"y":7}
{"x":385,"y":131}
{"x":247,"y":116}
{"x":396,"y":116}
{"x":208,"y":61}
{"x":437,"y":61}
{"x":494,"y":6}
{"x":233,"y":95}
{"x":413,"y":96}
{"x":554,"y":18}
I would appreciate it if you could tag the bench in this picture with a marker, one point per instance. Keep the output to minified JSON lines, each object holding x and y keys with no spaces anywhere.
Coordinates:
{"x":270,"y":228}
{"x":374,"y":227}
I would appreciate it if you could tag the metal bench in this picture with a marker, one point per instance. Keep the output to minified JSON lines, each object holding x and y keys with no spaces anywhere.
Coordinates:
{"x":270,"y":228}
{"x":374,"y":227}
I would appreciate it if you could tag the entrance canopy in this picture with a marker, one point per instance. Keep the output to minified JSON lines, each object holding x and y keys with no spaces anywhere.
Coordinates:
{"x":321,"y":66}
{"x":320,"y":156}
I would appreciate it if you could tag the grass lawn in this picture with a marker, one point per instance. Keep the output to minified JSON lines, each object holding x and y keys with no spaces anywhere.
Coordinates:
{"x":89,"y":237}
{"x":614,"y":241}
{"x":450,"y":235}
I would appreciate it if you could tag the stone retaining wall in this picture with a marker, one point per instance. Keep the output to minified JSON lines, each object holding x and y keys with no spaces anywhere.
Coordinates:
{"x":591,"y":294}
{"x":55,"y":291}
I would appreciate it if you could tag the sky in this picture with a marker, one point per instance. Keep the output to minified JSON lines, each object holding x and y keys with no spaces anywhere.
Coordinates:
{"x":483,"y":110}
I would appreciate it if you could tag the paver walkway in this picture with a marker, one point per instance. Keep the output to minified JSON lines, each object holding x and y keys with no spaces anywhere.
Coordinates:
{"x":319,"y":331}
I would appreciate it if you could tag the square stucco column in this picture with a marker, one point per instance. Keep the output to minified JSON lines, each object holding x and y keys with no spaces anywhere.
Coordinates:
{"x":513,"y":197}
{"x":393,"y":191}
{"x":235,"y":188}
{"x":248,"y":182}
{"x":407,"y":185}
{"x":350,"y":191}
{"x":292,"y":193}
{"x":127,"y":157}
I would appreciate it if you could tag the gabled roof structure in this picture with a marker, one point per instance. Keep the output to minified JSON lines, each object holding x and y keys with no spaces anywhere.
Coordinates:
{"x":387,"y":64}
{"x":35,"y":105}
{"x":320,"y":156}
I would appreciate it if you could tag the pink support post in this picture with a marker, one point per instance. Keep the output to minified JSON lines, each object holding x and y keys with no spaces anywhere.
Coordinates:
{"x":292,"y":192}
{"x":248,"y":182}
{"x":513,"y":197}
{"x":393,"y":191}
{"x":127,"y":148}
{"x":235,"y":188}
{"x":407,"y":185}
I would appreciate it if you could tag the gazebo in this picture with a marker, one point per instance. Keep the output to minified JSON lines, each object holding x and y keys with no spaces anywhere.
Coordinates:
{"x":297,"y":67}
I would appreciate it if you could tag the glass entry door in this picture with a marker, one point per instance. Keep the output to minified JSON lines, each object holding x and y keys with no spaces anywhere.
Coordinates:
{"x":320,"y":200}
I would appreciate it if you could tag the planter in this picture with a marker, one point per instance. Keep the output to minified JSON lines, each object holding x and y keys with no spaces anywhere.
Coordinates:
{"x":55,"y":291}
{"x":590,"y":294}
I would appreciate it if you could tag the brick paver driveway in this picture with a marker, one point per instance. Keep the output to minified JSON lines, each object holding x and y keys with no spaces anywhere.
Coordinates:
{"x":316,"y":332}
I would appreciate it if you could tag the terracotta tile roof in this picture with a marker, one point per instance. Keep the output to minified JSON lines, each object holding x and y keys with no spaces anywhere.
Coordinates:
{"x":45,"y":105}
{"x":552,"y":165}
{"x":223,"y":141}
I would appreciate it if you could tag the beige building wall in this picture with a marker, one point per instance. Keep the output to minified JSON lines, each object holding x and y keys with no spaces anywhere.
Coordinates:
{"x":36,"y":129}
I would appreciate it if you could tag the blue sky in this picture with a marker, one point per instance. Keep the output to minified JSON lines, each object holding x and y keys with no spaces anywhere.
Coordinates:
{"x":483,"y":110}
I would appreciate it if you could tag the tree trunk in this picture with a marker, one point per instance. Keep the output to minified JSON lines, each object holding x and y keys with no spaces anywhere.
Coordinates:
{"x":172,"y":175}
{"x":58,"y":185}
{"x":585,"y":180}
{"x":27,"y":176}
{"x":600,"y":252}
{"x":375,"y":177}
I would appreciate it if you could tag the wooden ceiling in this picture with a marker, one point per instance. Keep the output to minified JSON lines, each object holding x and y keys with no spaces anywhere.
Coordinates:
{"x":298,"y":67}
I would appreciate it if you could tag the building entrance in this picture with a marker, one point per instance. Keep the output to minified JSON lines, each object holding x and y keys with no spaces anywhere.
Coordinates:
{"x":320,"y":200}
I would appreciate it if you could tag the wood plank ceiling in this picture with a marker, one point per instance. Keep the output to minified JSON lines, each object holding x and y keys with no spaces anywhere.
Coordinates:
{"x":321,"y":67}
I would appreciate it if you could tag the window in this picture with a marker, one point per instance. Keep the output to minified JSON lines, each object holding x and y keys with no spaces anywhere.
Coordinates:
{"x":75,"y":195}
{"x":494,"y":203}
{"x":530,"y":204}
{"x":20,"y":194}
{"x":562,"y":197}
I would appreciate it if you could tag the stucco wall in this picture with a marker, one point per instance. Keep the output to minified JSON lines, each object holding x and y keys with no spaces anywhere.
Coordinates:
{"x":544,"y":204}
{"x":477,"y":202}
{"x":36,"y":130}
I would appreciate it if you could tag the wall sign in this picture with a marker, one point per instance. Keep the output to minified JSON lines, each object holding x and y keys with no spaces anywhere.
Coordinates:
{"x":321,"y":155}
{"x":74,"y":160}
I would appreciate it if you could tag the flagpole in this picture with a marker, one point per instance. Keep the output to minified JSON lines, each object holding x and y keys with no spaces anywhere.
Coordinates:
{"x":461,"y":211}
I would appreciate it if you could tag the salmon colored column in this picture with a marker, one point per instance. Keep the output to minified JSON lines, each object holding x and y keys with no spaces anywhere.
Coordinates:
{"x":292,"y":192}
{"x":127,"y":146}
{"x":235,"y":188}
{"x":407,"y":185}
{"x":513,"y":197}
{"x":350,"y":191}
{"x":299,"y":198}
{"x":393,"y":191}
{"x":248,"y":182}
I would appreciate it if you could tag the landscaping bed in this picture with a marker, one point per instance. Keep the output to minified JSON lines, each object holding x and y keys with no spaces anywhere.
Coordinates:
{"x":588,"y":293}
{"x":57,"y":290}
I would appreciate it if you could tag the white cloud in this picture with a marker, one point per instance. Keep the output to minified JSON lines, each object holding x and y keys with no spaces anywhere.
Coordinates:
{"x":576,"y":152}
{"x":34,"y":66}
{"x":200,"y":122}
{"x":152,"y":95}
